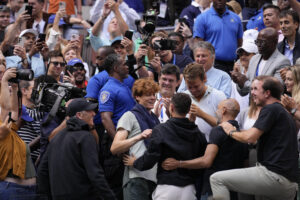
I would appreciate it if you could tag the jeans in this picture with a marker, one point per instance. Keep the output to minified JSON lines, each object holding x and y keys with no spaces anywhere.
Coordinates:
{"x":13,"y":191}
{"x":138,"y":188}
{"x":253,"y":180}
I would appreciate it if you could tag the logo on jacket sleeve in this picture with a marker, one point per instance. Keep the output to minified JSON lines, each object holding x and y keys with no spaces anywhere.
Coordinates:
{"x":104,"y":96}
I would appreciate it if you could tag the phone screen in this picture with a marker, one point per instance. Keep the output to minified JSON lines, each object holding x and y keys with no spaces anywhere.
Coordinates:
{"x":42,"y":37}
{"x":28,"y":10}
{"x":128,"y":34}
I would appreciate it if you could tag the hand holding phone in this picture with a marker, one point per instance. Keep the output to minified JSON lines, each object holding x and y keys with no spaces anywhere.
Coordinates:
{"x":28,"y":10}
{"x":42,"y":37}
{"x":128,"y":34}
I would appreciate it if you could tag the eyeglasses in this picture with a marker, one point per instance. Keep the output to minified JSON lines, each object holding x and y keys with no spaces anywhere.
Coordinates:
{"x":62,"y":64}
{"x":77,"y":68}
{"x":260,"y":42}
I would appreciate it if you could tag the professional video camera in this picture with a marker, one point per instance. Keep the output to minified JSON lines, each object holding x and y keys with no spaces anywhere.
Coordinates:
{"x":164,"y":44}
{"x":52,"y":97}
{"x":23,"y":74}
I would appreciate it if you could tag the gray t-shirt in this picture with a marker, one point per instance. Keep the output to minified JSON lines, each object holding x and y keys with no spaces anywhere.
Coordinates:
{"x":129,"y":122}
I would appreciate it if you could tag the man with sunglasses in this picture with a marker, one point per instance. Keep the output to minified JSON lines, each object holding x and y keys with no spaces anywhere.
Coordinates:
{"x":56,"y":65}
{"x":269,"y":61}
{"x":77,"y":73}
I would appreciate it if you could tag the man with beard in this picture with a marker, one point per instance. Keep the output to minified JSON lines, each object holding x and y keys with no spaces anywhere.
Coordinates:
{"x":275,"y":174}
{"x":76,"y":73}
{"x":269,"y":61}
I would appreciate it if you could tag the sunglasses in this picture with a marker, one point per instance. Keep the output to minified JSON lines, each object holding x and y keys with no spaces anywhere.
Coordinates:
{"x":78,"y":68}
{"x":62,"y":64}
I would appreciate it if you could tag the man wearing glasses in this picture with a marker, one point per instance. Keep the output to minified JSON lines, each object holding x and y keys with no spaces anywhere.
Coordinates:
{"x":56,"y":65}
{"x":269,"y":61}
{"x":76,"y":73}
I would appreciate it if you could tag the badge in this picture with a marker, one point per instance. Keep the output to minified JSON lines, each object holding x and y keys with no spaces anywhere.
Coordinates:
{"x":104,"y":96}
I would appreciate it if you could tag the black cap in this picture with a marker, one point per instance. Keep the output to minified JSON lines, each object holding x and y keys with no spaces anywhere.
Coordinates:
{"x":80,"y":104}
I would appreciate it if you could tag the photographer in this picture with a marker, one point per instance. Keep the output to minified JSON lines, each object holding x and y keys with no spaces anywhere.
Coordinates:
{"x":163,"y":57}
{"x":30,"y":53}
{"x":17,"y":173}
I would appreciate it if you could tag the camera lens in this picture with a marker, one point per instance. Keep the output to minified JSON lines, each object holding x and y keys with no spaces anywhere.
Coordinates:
{"x":25,"y":74}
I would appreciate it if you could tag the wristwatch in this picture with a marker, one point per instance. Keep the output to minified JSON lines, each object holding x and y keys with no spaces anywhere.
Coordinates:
{"x":231,"y":132}
{"x":293,"y":111}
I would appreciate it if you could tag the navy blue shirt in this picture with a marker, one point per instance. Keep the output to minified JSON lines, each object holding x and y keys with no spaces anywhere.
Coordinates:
{"x":222,"y":32}
{"x":115,"y":97}
{"x":190,"y":13}
{"x":96,"y":83}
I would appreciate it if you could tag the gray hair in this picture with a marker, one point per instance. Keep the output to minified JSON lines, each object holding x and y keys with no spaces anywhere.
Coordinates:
{"x":204,"y":45}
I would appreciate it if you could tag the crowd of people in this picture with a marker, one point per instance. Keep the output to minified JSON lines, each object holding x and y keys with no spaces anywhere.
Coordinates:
{"x":209,"y":110}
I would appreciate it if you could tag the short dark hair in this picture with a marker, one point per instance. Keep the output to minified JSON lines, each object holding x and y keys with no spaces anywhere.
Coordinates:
{"x":176,"y":34}
{"x":55,"y":53}
{"x":4,"y":8}
{"x":193,"y":71}
{"x":292,"y":13}
{"x":272,"y":84}
{"x":170,"y":69}
{"x":182,"y":103}
{"x":271,"y":6}
{"x":107,"y":50}
{"x":111,"y":61}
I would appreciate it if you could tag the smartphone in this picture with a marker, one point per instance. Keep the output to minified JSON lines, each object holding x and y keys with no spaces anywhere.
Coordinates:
{"x":183,"y":21}
{"x":21,"y":42}
{"x":62,"y":5}
{"x":74,"y":37}
{"x":42,"y":37}
{"x":28,"y":10}
{"x":128,"y":34}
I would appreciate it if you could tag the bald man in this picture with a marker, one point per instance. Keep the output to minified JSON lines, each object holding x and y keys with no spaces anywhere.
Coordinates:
{"x":222,"y":152}
{"x":269,"y":61}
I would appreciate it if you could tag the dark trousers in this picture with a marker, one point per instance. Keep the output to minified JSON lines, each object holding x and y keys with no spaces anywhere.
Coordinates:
{"x":138,"y":188}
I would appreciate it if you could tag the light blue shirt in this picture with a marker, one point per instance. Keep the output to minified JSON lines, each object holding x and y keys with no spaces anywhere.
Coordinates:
{"x":288,"y":52}
{"x":217,"y":79}
{"x":98,"y":42}
{"x":36,"y":63}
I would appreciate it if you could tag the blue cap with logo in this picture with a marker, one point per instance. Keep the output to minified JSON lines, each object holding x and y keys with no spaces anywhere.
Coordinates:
{"x":74,"y":62}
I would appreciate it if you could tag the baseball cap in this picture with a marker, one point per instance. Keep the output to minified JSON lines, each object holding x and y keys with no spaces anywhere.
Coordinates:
{"x":249,"y":46}
{"x":32,"y":31}
{"x":116,"y":40}
{"x":75,"y":61}
{"x":80,"y":104}
{"x":250,"y":34}
{"x":51,"y":20}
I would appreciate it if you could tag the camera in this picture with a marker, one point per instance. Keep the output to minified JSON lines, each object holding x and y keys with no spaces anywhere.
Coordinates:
{"x":150,"y":21}
{"x":164,"y":44}
{"x":23,"y":74}
{"x":52,"y":97}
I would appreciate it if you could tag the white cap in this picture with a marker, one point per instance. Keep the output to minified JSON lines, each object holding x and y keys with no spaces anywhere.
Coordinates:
{"x":249,"y":46}
{"x":28,"y":31}
{"x":250,"y":34}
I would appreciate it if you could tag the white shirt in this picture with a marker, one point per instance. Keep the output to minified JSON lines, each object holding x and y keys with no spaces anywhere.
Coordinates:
{"x":209,"y":104}
{"x":41,"y":24}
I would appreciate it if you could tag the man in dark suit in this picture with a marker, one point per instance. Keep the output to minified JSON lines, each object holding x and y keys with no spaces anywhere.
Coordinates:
{"x":290,"y":46}
{"x":269,"y":61}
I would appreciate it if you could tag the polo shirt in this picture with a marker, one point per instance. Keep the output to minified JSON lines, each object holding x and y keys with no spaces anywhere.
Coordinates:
{"x":115,"y":97}
{"x":36,"y":62}
{"x":222,"y":32}
{"x":96,"y":83}
{"x":257,"y":21}
{"x":209,"y":104}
